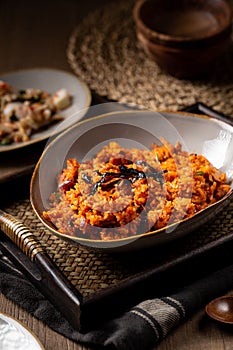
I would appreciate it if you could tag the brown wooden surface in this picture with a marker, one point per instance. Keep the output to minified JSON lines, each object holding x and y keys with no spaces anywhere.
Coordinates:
{"x":35,"y":35}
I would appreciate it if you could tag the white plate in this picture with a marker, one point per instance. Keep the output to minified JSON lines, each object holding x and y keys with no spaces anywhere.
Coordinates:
{"x":15,"y":336}
{"x":51,"y":80}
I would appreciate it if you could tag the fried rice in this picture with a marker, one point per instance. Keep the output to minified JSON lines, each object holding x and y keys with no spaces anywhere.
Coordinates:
{"x":125,"y":192}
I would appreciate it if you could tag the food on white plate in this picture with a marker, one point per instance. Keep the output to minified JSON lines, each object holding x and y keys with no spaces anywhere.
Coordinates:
{"x":25,"y":111}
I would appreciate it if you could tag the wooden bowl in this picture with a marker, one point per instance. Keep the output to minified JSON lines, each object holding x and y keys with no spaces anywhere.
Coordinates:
{"x":184,"y":37}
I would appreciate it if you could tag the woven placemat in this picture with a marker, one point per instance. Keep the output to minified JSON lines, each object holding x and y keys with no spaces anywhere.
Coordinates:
{"x":92,"y":271}
{"x":104,"y":52}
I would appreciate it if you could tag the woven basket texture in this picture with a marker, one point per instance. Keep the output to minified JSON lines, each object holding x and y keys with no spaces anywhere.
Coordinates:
{"x":92,"y":271}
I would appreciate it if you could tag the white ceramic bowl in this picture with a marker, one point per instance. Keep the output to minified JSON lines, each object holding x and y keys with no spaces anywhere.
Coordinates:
{"x":197,"y":134}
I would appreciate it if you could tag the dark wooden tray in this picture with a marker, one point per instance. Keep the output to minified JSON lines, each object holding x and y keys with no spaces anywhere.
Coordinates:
{"x":131,"y":278}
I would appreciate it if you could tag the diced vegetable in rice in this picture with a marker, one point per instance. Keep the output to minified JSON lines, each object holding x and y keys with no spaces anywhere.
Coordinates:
{"x":125,"y":192}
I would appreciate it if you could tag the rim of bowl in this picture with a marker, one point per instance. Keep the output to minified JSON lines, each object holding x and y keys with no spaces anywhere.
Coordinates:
{"x":157,"y":36}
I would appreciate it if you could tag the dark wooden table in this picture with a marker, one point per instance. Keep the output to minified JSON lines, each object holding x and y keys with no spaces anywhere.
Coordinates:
{"x":35,"y":35}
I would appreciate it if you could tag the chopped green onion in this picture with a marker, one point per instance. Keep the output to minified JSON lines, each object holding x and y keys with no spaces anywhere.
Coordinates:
{"x":57,"y":196}
{"x":5,"y":141}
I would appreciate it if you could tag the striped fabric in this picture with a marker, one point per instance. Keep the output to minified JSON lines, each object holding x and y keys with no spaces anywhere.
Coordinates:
{"x":140,"y":328}
{"x":162,"y":314}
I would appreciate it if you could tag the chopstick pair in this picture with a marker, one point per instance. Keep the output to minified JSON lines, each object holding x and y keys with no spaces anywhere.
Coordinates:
{"x":19,"y":244}
{"x":201,"y":108}
{"x":5,"y":263}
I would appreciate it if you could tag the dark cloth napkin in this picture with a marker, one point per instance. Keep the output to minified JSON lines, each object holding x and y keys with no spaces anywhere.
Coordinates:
{"x":139,"y":328}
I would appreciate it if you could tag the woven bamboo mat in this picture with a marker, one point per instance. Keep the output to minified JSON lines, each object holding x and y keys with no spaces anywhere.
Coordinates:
{"x":91,"y":271}
{"x":104,"y":52}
